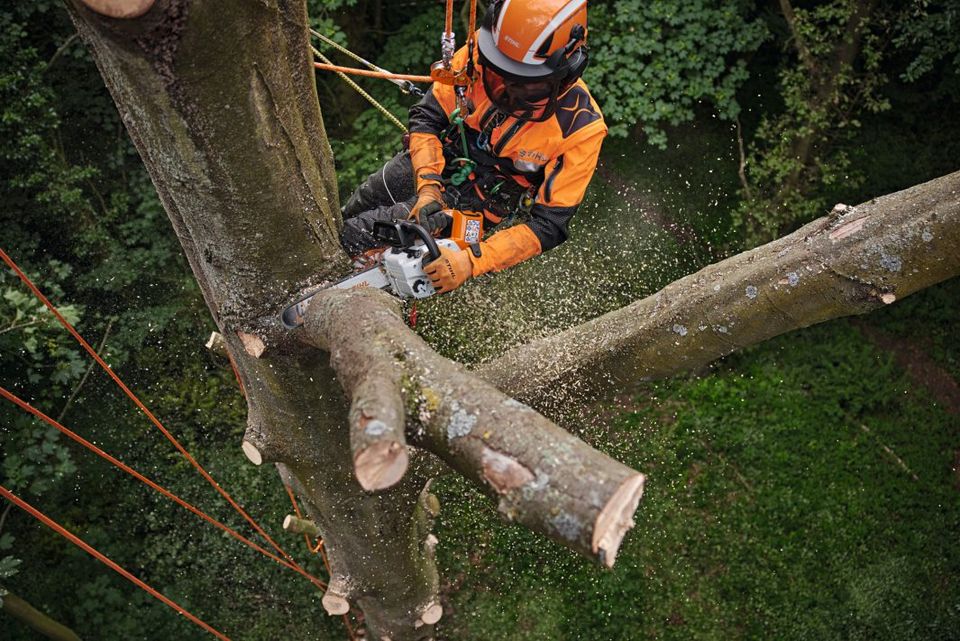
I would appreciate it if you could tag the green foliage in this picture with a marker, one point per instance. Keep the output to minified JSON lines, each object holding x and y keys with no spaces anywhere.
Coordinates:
{"x":322,"y":19}
{"x":835,"y":80}
{"x":929,"y":29}
{"x":770,"y":512}
{"x":9,"y":565}
{"x":846,"y":52}
{"x":415,"y":46}
{"x":32,"y":333}
{"x":653,"y":63}
{"x":375,"y":140}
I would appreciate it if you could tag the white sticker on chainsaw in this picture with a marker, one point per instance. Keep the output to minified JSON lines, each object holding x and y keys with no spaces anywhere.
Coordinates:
{"x":472,"y":233}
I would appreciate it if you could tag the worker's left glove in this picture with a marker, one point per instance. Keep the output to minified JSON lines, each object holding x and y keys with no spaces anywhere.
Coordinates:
{"x":429,"y":201}
{"x":451,"y":270}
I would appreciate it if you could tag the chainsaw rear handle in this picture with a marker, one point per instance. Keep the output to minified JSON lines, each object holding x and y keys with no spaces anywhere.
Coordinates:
{"x":403,"y":233}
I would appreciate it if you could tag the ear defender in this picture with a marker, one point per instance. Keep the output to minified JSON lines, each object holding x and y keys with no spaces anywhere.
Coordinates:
{"x":572,"y":59}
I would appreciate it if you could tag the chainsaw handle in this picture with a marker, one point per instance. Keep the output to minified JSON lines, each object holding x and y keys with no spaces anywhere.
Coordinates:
{"x":433,"y":250}
{"x":403,"y":233}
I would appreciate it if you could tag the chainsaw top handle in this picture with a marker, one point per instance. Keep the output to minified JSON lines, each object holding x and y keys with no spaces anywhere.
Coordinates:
{"x":403,"y":233}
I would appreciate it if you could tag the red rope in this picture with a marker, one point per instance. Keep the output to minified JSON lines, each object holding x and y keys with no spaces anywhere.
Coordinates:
{"x":153,"y":419}
{"x":10,"y":496}
{"x":473,"y":20}
{"x":236,"y":374}
{"x":159,"y":488}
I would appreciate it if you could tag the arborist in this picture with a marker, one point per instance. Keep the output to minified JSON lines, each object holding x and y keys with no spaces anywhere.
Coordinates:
{"x":522,"y":143}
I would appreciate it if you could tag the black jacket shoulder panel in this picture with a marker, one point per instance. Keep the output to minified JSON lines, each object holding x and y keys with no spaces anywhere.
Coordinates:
{"x":575,"y":111}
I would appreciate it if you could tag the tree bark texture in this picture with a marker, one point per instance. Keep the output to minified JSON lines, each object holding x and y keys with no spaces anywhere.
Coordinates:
{"x":540,"y":475}
{"x":221,"y":105}
{"x":850,"y":262}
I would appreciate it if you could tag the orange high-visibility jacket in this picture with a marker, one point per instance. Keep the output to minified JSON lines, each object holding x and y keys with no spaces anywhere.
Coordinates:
{"x":555,"y":158}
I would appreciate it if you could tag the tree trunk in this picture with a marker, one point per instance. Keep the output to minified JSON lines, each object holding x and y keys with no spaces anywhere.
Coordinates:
{"x":221,"y":104}
{"x":222,"y":108}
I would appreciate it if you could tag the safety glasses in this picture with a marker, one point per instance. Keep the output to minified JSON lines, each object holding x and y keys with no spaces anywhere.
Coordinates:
{"x":527,"y":99}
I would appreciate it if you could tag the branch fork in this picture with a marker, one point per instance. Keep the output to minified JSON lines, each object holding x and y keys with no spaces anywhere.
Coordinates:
{"x":540,"y":475}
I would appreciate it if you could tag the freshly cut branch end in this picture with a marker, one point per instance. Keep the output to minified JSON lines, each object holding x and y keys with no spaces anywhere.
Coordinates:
{"x":334,"y":604}
{"x":616,"y":519}
{"x":124,"y":9}
{"x":252,"y":452}
{"x":217,"y":344}
{"x":431,"y":614}
{"x":252,"y":344}
{"x":381,"y":465}
{"x":297,"y":525}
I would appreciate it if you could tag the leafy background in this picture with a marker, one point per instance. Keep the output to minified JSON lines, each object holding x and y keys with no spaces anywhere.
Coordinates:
{"x":804,"y":488}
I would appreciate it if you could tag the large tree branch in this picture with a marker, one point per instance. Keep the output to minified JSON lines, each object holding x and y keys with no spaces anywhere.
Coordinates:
{"x":850,"y":262}
{"x":541,"y":476}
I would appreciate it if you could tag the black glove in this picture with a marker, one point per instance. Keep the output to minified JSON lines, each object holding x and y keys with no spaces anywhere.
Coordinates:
{"x":357,"y":235}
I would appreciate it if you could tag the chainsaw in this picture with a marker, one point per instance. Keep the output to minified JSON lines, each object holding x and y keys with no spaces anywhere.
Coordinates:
{"x":398,"y":266}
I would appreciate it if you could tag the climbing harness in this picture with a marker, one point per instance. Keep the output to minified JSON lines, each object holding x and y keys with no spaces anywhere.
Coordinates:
{"x":467,"y":165}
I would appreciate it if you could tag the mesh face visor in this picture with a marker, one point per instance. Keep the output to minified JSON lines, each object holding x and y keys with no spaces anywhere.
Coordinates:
{"x":533,"y":99}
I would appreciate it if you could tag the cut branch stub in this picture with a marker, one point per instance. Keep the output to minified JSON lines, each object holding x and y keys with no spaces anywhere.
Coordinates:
{"x":298,"y":525}
{"x":431,"y":614}
{"x":124,"y":9}
{"x":335,"y":600}
{"x":217,"y":344}
{"x":252,"y":452}
{"x":376,"y":428}
{"x":252,"y":344}
{"x":373,"y":382}
{"x":542,"y":476}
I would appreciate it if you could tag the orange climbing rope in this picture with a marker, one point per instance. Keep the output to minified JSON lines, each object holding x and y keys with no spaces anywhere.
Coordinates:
{"x":156,"y":486}
{"x":371,"y":74}
{"x":153,"y":419}
{"x":43,"y":518}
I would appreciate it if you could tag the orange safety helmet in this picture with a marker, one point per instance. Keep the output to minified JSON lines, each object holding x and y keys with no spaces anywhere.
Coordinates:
{"x":531,"y":51}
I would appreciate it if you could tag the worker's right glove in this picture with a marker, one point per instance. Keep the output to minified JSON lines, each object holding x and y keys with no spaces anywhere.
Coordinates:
{"x":429,"y":201}
{"x":451,"y":270}
{"x":502,"y":250}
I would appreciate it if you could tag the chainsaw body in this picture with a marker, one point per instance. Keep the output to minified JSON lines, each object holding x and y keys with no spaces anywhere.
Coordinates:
{"x":403,"y":269}
{"x":397,"y":269}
